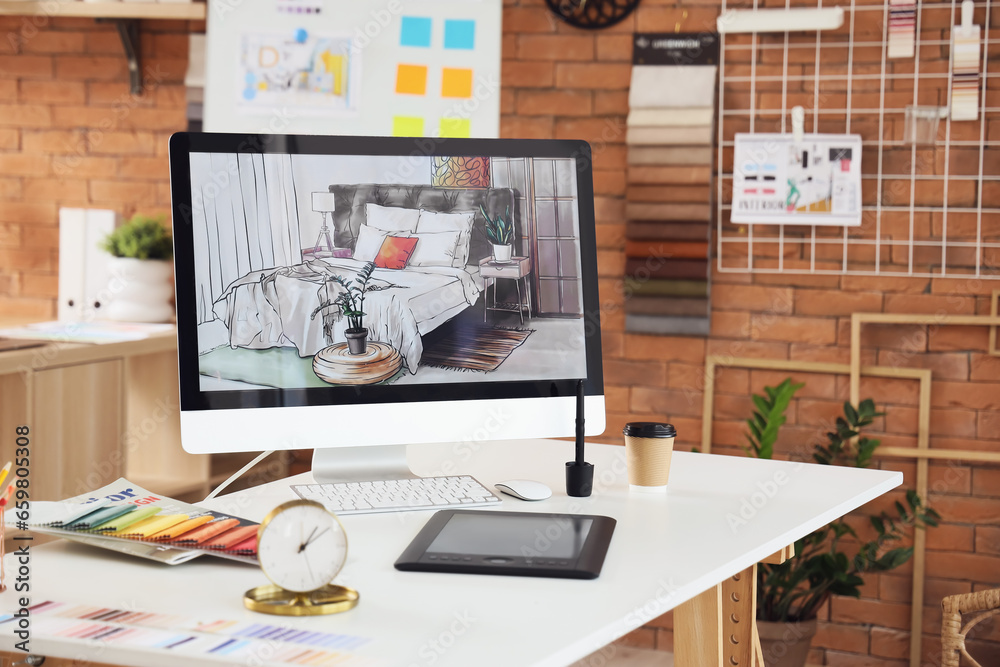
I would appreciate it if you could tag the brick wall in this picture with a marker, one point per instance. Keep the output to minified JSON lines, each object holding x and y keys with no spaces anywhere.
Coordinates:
{"x":68,"y":77}
{"x":71,"y":134}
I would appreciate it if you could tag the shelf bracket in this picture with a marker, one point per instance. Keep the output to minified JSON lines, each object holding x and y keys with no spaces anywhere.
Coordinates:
{"x":128,"y":31}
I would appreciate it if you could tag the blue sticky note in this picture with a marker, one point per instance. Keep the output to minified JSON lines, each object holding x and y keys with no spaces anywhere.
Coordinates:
{"x":459,"y":34}
{"x":415,"y":31}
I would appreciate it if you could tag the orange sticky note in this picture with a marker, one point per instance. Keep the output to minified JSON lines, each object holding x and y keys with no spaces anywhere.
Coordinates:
{"x":411,"y":79}
{"x":456,"y":82}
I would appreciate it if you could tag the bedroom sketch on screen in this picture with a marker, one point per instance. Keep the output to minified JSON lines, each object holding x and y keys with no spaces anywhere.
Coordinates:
{"x":296,"y":254}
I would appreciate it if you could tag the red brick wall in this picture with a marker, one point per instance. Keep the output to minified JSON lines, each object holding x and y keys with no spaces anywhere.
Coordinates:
{"x":71,"y":134}
{"x":61,"y":84}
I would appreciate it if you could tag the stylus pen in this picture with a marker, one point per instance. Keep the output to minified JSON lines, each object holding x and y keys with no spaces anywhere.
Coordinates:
{"x":579,"y":423}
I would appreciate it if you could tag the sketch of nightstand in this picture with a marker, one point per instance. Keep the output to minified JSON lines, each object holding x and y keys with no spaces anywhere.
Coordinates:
{"x":517,"y":269}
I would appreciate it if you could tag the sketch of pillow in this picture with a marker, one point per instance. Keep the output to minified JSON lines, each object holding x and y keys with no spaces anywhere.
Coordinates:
{"x":437,"y":249}
{"x":391,"y":219}
{"x":433,"y":222}
{"x":368,"y":243}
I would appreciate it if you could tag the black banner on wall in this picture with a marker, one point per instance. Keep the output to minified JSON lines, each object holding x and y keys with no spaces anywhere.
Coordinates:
{"x":675,"y":48}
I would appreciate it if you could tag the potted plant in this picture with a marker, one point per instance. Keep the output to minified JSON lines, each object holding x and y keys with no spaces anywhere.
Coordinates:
{"x":500,"y":231}
{"x":141,"y":270}
{"x":834,"y":559}
{"x":351,"y":302}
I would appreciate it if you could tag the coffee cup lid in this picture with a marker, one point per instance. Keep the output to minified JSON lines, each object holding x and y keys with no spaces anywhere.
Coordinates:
{"x":649,"y":430}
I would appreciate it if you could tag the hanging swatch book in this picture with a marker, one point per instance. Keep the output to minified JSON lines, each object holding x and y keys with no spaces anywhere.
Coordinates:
{"x":125,"y":517}
{"x":668,"y":208}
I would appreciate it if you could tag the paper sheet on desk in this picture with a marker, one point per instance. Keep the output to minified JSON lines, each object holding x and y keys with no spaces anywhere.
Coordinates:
{"x":195,"y":635}
{"x":87,"y":332}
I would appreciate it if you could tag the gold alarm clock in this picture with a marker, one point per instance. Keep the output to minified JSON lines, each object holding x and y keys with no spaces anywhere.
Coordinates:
{"x":301,"y":547}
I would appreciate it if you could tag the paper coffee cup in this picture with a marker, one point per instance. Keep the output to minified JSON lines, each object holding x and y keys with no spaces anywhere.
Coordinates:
{"x":648,"y":448}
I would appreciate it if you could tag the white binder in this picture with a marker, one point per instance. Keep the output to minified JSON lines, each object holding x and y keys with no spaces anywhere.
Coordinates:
{"x":83,"y":266}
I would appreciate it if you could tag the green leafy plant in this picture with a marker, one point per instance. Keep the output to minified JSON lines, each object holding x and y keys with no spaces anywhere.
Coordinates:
{"x":142,"y":237}
{"x":769,"y":417}
{"x":500,"y":229}
{"x":823,"y":564}
{"x":351,"y":301}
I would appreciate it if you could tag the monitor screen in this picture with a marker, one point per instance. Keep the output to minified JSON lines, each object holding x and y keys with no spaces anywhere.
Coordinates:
{"x":348,"y":271}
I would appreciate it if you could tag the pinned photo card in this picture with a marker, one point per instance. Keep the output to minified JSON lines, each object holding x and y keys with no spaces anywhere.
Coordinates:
{"x":816,"y":181}
{"x":300,"y":71}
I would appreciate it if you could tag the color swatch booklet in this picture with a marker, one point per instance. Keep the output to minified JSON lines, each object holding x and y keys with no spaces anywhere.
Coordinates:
{"x":125,"y":517}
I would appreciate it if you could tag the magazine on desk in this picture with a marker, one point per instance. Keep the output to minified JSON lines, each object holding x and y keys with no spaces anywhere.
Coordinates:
{"x":127,"y":518}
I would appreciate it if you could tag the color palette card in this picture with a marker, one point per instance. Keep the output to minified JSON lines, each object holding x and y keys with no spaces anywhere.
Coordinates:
{"x":965,"y":72}
{"x":902,"y":28}
{"x":239,"y":642}
{"x":130,"y":519}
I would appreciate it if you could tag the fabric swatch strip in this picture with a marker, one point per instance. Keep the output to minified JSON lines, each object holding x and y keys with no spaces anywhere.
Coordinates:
{"x":668,"y":207}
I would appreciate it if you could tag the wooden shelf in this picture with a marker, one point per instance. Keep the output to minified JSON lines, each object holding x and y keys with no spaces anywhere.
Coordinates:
{"x":122,"y":10}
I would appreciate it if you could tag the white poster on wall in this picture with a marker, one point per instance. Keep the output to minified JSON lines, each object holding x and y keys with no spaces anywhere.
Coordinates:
{"x":359,"y":67}
{"x":815,"y":181}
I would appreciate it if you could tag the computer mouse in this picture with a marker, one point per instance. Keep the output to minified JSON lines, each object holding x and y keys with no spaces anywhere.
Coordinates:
{"x":525,"y":489}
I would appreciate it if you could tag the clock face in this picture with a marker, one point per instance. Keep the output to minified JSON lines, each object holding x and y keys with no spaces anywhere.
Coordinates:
{"x":301,"y":546}
{"x":592,"y":14}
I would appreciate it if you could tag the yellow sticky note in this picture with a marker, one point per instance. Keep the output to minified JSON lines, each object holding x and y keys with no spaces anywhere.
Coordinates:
{"x":407,"y":126}
{"x":456,"y":128}
{"x":411,"y":79}
{"x":456,"y":82}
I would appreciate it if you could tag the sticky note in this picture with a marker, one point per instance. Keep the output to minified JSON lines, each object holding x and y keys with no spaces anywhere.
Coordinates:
{"x":459,"y":34}
{"x":456,"y":82}
{"x":415,"y":31}
{"x":412,"y":79}
{"x":407,"y":126}
{"x":455,"y":128}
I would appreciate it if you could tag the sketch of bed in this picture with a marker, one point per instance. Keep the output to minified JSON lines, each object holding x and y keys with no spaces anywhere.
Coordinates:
{"x":276,"y":306}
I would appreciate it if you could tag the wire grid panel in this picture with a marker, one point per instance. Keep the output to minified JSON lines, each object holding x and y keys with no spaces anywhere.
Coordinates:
{"x":929,"y":210}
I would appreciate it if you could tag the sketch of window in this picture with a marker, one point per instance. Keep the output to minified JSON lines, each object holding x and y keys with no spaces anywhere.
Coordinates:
{"x":558,"y":260}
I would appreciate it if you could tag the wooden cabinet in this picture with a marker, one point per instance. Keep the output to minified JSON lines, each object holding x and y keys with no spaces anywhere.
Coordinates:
{"x":96,"y":413}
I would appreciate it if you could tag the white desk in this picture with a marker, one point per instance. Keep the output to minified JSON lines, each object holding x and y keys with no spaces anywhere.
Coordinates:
{"x":665,"y":551}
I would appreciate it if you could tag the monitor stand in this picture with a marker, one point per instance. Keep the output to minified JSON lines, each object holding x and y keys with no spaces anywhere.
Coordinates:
{"x":361,"y":464}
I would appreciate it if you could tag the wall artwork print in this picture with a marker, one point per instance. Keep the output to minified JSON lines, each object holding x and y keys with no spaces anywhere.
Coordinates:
{"x":299,"y":71}
{"x":429,"y":68}
{"x":817,"y":181}
{"x":414,"y":273}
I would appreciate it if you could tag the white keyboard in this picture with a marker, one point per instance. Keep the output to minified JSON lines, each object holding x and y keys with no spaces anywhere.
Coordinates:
{"x":399,"y":495}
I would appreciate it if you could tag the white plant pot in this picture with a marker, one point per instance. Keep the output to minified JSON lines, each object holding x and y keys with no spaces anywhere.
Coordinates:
{"x":141,"y":290}
{"x":502,"y":253}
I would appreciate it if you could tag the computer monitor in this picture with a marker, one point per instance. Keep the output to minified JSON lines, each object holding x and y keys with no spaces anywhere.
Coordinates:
{"x":354,"y":295}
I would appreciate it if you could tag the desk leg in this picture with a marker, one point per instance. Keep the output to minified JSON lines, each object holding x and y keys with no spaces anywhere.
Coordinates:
{"x":718,"y":628}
